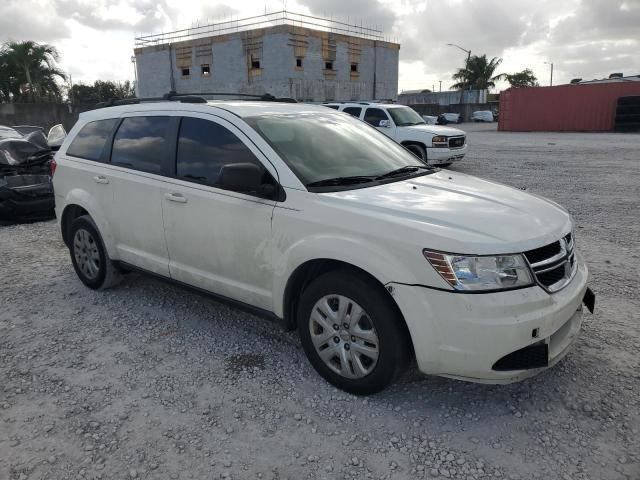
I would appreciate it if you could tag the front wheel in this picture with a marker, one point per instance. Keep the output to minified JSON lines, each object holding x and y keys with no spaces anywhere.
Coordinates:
{"x":418,"y":150}
{"x":352,"y":332}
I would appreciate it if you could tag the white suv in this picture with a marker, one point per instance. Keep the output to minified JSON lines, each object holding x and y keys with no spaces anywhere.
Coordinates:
{"x":314,"y":218}
{"x":435,"y":145}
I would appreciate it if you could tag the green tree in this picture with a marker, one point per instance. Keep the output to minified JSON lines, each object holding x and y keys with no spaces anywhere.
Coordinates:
{"x":525,"y":78}
{"x":478,"y":73}
{"x":28,"y":72}
{"x":100,"y":91}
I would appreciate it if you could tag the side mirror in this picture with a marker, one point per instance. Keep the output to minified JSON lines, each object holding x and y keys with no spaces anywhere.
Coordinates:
{"x":241,"y":177}
{"x":384,"y":123}
{"x":56,"y":136}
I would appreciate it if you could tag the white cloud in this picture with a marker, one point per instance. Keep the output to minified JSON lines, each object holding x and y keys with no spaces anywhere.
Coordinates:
{"x":588,"y":38}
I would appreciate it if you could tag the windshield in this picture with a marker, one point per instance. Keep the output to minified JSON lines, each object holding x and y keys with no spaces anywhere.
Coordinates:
{"x":403,"y":116}
{"x":321,"y":146}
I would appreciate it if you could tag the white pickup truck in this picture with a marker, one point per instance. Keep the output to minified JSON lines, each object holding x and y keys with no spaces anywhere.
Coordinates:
{"x":435,"y":145}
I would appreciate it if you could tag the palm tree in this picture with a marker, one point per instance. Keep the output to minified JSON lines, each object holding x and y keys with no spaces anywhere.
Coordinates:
{"x":28,"y":71}
{"x":478,"y":73}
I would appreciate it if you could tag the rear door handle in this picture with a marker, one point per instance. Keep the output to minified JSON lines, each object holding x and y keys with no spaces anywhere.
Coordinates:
{"x":100,"y":179}
{"x":175,"y":197}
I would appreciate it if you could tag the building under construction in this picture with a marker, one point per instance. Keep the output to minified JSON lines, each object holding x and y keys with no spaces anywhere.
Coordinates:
{"x":285,"y":54}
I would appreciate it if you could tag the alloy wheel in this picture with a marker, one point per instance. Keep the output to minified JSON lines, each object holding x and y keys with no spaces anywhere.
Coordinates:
{"x":85,"y":251}
{"x":344,"y":336}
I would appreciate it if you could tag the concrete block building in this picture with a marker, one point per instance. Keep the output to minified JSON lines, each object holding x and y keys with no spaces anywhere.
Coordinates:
{"x":287,"y":55}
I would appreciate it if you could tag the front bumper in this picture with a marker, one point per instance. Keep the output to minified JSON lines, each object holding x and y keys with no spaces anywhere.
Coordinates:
{"x":463,"y":335}
{"x":438,"y":156}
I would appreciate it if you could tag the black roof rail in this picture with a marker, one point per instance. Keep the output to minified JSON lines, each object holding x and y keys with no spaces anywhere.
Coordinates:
{"x":265,"y":97}
{"x":192,"y":98}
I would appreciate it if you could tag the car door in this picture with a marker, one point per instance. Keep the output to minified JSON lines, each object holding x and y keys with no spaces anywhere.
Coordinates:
{"x":218,"y":240}
{"x":373,"y":116}
{"x":142,"y":147}
{"x":87,"y":170}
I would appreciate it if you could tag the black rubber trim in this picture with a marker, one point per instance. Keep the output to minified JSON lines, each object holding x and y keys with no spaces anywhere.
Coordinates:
{"x":260,"y":312}
{"x":589,"y":300}
{"x":465,"y":292}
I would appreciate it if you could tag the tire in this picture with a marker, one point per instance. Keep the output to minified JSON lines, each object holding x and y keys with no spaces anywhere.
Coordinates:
{"x":418,"y":150}
{"x":89,"y":257}
{"x":383,"y":348}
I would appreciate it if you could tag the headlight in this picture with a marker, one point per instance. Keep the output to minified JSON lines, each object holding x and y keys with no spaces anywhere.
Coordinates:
{"x":473,"y":273}
{"x":440,"y":141}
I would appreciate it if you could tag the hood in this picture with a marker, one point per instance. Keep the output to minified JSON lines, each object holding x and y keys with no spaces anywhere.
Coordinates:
{"x":436,"y":130}
{"x":459,"y":213}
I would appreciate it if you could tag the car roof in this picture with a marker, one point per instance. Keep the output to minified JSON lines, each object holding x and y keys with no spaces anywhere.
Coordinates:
{"x":238,"y":108}
{"x":363,"y":104}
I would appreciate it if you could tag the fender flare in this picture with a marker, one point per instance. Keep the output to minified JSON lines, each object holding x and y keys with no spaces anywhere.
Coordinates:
{"x":84,"y":199}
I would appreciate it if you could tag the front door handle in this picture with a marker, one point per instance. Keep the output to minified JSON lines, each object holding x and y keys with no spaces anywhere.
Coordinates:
{"x":100,"y":179}
{"x":175,"y":197}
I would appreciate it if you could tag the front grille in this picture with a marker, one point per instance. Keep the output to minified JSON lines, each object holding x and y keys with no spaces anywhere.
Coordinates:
{"x":555,"y":264}
{"x":456,"y":142}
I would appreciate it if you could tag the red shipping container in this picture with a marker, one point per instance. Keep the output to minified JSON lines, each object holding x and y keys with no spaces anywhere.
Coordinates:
{"x":564,"y":108}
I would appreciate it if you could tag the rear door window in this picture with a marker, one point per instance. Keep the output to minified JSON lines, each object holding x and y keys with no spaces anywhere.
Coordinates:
{"x":355,"y":111}
{"x":142,"y":143}
{"x":204,"y":147}
{"x":374,"y":115}
{"x":90,"y":141}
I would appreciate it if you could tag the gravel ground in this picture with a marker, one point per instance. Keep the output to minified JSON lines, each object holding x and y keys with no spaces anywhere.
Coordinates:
{"x":152,"y":381}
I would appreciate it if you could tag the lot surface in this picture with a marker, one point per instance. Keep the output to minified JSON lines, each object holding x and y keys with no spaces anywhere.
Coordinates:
{"x":151,"y":381}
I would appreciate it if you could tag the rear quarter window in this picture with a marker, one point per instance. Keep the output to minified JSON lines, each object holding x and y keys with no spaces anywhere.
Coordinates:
{"x":90,"y":141}
{"x":355,"y":111}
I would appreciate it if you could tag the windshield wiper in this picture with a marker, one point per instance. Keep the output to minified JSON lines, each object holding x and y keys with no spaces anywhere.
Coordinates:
{"x":329,"y":182}
{"x":407,"y":169}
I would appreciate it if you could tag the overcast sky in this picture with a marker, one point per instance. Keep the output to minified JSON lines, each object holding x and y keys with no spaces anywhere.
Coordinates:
{"x":583,"y":38}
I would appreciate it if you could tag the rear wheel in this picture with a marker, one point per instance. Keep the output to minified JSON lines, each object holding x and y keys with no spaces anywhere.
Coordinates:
{"x":418,"y":150}
{"x":89,"y":257}
{"x":352,"y":332}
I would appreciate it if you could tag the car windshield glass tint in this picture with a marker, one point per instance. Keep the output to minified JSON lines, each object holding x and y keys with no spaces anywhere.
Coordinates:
{"x":324,"y":146}
{"x":403,"y":116}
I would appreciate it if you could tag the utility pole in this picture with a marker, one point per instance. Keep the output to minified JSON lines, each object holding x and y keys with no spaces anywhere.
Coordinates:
{"x":440,"y":85}
{"x":464,"y":50}
{"x":551,"y":79}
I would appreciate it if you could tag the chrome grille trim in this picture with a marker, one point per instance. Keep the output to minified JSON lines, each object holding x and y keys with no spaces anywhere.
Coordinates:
{"x":563,"y":263}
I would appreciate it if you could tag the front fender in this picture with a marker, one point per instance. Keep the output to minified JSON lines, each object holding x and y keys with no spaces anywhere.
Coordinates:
{"x":365,"y":256}
{"x":84,"y":199}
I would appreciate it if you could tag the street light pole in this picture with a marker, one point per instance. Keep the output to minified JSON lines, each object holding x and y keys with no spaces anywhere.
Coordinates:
{"x":551,"y":79}
{"x":468,"y":57}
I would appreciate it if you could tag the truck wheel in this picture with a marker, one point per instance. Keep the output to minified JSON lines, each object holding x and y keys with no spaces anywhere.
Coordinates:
{"x":352,"y":332}
{"x":89,"y":257}
{"x":418,"y":150}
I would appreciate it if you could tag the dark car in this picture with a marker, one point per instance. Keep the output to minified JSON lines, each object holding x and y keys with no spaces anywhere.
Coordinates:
{"x":26,"y":191}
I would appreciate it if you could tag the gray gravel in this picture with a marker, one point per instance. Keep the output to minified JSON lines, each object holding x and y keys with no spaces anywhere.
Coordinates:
{"x":151,"y":381}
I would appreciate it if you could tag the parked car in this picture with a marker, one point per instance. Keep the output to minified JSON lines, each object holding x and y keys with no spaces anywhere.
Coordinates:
{"x":8,"y":132}
{"x":482,"y":116}
{"x":27,"y":129}
{"x":430,"y":120}
{"x":445,"y":118}
{"x":26,"y":190}
{"x":433,"y":144}
{"x":315,"y":219}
